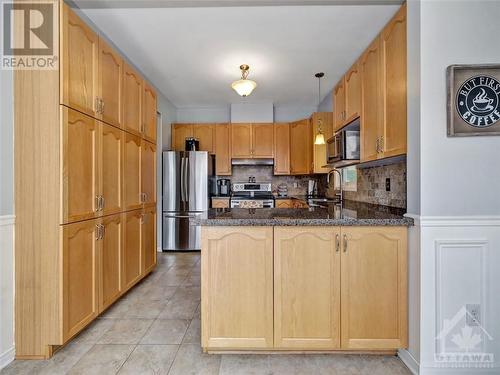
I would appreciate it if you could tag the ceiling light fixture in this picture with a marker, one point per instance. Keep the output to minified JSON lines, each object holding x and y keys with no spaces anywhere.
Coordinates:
{"x":244,"y":86}
{"x":320,"y":138}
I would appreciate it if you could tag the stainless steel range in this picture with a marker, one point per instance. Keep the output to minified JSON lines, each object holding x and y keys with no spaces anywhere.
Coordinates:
{"x":252,"y":195}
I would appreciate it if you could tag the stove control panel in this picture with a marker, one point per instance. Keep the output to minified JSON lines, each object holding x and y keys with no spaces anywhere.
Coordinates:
{"x":252,"y":187}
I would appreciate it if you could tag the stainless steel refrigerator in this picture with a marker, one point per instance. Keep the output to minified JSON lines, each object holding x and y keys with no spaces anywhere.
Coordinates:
{"x":188,"y":180}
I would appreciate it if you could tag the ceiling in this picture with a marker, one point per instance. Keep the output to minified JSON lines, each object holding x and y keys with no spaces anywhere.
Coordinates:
{"x":193,"y":54}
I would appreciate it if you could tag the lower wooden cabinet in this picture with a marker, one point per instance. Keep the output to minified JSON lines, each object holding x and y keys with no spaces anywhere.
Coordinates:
{"x":334,"y":288}
{"x":220,"y":202}
{"x":132,"y":248}
{"x":237,"y":287}
{"x":306,"y":288}
{"x":148,"y":237}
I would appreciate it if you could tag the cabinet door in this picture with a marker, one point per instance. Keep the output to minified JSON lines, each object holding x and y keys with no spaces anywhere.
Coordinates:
{"x":222,"y":150}
{"x":149,"y":113}
{"x":79,"y":258}
{"x":319,"y":151}
{"x":339,"y":105}
{"x":79,"y":66}
{"x":393,"y":47}
{"x":132,"y":248}
{"x":148,"y":172}
{"x":205,"y":134}
{"x":352,"y":93}
{"x":281,"y":148}
{"x":110,"y":84}
{"x":132,"y":100}
{"x":371,"y":102}
{"x":300,"y":147}
{"x":80,"y":134}
{"x":148,"y":233}
{"x":241,"y":140}
{"x":237,"y":281}
{"x":132,"y":172}
{"x":307,"y":287}
{"x":262,"y":140}
{"x":179,"y":134}
{"x":220,"y":202}
{"x":111,"y":157}
{"x":374,"y":288}
{"x":110,"y":283}
{"x":284,"y":203}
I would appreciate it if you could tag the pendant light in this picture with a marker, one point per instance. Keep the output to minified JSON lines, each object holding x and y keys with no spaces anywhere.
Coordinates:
{"x":320,"y":138}
{"x":244,"y":86}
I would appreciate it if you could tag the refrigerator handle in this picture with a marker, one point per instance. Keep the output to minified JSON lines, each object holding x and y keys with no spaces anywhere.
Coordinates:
{"x":186,"y":182}
{"x":182,"y":179}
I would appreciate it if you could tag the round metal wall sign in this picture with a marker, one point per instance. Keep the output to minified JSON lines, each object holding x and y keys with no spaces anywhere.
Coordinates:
{"x":478,"y":101}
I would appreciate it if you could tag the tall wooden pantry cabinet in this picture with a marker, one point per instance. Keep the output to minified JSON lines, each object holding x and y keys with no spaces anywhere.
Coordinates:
{"x":85,"y":182}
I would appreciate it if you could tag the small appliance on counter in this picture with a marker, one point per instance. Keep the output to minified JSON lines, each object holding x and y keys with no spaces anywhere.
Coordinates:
{"x":223,"y":187}
{"x":192,"y":144}
{"x":282,"y":190}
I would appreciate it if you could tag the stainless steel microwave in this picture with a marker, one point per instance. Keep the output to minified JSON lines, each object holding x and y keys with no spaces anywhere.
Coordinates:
{"x":343,"y":148}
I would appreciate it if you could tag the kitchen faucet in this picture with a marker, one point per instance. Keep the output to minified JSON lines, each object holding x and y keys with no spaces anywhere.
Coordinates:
{"x":341,"y":195}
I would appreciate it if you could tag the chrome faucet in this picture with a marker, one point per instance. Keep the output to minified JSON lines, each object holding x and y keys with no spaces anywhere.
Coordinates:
{"x":341,"y":194}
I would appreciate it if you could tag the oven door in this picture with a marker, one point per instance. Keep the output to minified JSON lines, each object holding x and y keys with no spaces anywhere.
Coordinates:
{"x":335,"y":148}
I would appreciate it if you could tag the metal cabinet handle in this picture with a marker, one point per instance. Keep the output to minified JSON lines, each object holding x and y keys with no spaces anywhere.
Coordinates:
{"x":103,"y":231}
{"x":102,"y":202}
{"x":337,"y":243}
{"x":97,"y":203}
{"x":97,"y":105}
{"x":381,"y":144}
{"x":377,"y":145}
{"x":345,"y":243}
{"x":98,"y":232}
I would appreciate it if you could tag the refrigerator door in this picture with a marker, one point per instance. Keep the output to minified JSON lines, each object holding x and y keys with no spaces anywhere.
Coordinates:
{"x":179,"y":234}
{"x":198,"y":178}
{"x":173,"y":172}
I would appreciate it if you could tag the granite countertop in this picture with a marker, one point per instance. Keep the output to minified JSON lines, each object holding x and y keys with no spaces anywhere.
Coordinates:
{"x":351,"y":213}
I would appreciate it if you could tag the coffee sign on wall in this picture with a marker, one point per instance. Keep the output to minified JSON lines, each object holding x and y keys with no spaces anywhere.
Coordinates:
{"x":473,"y":100}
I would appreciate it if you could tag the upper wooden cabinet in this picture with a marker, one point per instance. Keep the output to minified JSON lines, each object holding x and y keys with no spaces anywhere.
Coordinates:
{"x":132,"y":100}
{"x":262,"y":140}
{"x":339,"y":104}
{"x":300,"y":147}
{"x":80,"y":64}
{"x":132,"y":186}
{"x":374,"y":288}
{"x":111,"y":151}
{"x":352,"y":94}
{"x":325,"y":121}
{"x":110,"y":85}
{"x":240,"y":314}
{"x":205,"y":135}
{"x":281,"y":148}
{"x":306,"y":288}
{"x":149,"y":112}
{"x":148,"y":172}
{"x":179,"y":134}
{"x":222,"y":146}
{"x":393,"y":54}
{"x":241,"y":140}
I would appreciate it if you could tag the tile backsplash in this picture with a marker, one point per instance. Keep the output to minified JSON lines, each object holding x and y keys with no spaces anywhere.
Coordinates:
{"x":265,"y":174}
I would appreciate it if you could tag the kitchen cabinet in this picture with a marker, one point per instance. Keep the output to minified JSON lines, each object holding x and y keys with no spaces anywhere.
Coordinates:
{"x":339,"y":105}
{"x":132,"y":248}
{"x":132,"y":190}
{"x":300,"y":147}
{"x":132,"y":100}
{"x":148,"y":238}
{"x":307,"y":288}
{"x":319,"y":151}
{"x":205,"y":135}
{"x":238,"y":264}
{"x":220,"y":202}
{"x":241,"y":140}
{"x":374,"y":288}
{"x":371,"y":102}
{"x":148,"y":173}
{"x":149,"y":112}
{"x":110,"y":260}
{"x":284,"y":203}
{"x":262,"y":140}
{"x":179,"y":134}
{"x":282,"y":148}
{"x":111,"y":150}
{"x":222,"y":145}
{"x":110,"y":85}
{"x":352,"y":99}
{"x":79,"y":275}
{"x":79,"y":68}
{"x":393,"y":78}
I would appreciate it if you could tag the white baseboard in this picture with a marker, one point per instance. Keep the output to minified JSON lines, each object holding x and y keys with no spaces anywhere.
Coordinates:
{"x":7,"y":357}
{"x":459,"y":371}
{"x":409,"y":361}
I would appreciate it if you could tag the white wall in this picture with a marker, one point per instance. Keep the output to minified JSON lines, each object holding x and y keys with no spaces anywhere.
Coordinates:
{"x":204,"y":114}
{"x":6,"y":143}
{"x":327,"y":104}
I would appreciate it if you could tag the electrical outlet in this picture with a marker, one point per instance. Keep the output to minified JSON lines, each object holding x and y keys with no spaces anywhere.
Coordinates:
{"x":295,"y":185}
{"x":387,"y":184}
{"x":473,"y":316}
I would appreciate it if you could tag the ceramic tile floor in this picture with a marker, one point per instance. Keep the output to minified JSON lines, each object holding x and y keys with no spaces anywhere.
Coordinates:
{"x":155,"y":329}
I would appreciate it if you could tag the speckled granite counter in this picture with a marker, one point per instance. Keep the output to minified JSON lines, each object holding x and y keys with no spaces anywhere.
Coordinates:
{"x":351,"y":213}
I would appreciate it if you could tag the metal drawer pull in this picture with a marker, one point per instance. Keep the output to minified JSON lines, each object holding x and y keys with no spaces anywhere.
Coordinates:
{"x":345,"y":243}
{"x":337,"y":243}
